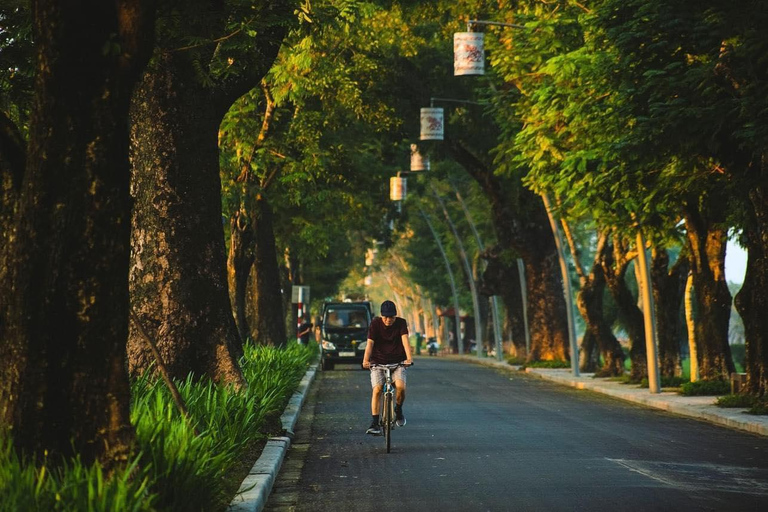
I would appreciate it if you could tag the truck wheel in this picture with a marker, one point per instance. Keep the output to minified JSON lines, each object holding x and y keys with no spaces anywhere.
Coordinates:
{"x":326,"y":365}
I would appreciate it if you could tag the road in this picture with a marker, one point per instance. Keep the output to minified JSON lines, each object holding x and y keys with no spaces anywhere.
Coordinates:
{"x":489,"y":440}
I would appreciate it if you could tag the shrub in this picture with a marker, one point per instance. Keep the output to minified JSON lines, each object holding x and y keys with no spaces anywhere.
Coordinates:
{"x":181,"y":462}
{"x":760,"y":407}
{"x":549,"y":364}
{"x":705,"y":388}
{"x":736,"y":401}
{"x":666,"y":382}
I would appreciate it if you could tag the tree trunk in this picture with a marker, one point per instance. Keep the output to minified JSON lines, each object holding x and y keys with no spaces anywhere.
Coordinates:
{"x":503,"y":279}
{"x":590,"y":304}
{"x":668,"y":292}
{"x":63,"y":385}
{"x":178,"y":276}
{"x":239,"y":266}
{"x":752,"y":299}
{"x":707,"y":238}
{"x":179,"y":272}
{"x":522,"y":227}
{"x":589,"y":354}
{"x":615,"y":264}
{"x":547,"y":321}
{"x":269,"y":318}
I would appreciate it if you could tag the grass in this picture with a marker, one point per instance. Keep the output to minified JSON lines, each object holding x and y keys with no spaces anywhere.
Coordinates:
{"x":175,"y":468}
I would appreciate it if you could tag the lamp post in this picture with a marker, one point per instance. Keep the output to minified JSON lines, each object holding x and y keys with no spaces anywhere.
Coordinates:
{"x":468,"y":270}
{"x":452,"y":280}
{"x":494,"y":298}
{"x":460,"y":53}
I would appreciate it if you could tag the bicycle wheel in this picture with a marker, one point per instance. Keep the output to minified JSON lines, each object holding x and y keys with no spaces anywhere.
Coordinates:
{"x":388,"y":419}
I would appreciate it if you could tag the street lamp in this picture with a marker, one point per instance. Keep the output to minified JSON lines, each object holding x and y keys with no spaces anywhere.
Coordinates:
{"x":419,"y":162}
{"x":469,"y":51}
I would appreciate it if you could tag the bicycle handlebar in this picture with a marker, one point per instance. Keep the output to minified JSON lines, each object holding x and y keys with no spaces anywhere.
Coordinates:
{"x":391,"y":366}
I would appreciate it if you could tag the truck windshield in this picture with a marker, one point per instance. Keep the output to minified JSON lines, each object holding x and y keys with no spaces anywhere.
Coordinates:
{"x":346,"y":318}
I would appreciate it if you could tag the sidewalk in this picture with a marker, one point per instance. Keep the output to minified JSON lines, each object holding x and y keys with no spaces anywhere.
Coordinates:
{"x":698,"y":407}
{"x":255,"y":489}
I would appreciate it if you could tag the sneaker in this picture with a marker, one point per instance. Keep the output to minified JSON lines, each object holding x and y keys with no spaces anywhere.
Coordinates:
{"x":399,"y":418}
{"x":374,"y":429}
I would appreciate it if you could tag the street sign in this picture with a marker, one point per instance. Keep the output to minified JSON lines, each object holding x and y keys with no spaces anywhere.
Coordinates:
{"x":300,"y":295}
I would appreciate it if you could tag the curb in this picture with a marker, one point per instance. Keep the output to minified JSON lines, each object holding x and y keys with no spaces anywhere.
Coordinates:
{"x":698,"y":407}
{"x":255,"y":488}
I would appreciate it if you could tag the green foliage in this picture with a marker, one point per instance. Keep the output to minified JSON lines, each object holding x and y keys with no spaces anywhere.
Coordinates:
{"x":175,"y":469}
{"x":705,"y":388}
{"x":515,"y":361}
{"x":70,"y":486}
{"x":548,"y":364}
{"x":736,"y":401}
{"x":666,"y":382}
{"x":760,"y":408}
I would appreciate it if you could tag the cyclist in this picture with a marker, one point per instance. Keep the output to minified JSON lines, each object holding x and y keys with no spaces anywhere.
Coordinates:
{"x":387,"y":344}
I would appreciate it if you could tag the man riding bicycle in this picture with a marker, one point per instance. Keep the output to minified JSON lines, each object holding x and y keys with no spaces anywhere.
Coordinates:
{"x":387,"y":344}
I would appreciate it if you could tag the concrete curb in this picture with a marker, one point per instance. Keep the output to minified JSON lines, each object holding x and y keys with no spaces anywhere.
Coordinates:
{"x":698,"y":407}
{"x":255,"y":489}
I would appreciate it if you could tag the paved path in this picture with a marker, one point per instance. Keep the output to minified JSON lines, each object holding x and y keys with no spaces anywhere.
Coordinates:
{"x":488,"y":439}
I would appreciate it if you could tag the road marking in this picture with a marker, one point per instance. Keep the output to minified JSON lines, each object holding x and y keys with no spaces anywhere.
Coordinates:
{"x":701,"y":477}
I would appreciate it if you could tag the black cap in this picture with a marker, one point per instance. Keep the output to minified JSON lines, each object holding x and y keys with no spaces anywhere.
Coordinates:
{"x":388,"y":308}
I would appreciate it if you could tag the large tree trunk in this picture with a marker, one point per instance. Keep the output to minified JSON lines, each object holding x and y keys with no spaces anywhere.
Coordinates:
{"x":707,"y":238}
{"x":178,"y":276}
{"x":269,"y":318}
{"x":522,"y":227}
{"x":546,"y":320}
{"x":239,"y":266}
{"x":752,"y":299}
{"x":63,"y":385}
{"x":598,"y":338}
{"x":668,"y":292}
{"x":615,"y":264}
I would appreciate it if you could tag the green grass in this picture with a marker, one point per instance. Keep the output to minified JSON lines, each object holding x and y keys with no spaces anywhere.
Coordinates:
{"x":175,"y":468}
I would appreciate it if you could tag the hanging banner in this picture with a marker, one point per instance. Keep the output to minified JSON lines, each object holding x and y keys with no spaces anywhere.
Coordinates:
{"x":468,"y":54}
{"x":396,"y":188}
{"x":419,"y":162}
{"x":431,"y":124}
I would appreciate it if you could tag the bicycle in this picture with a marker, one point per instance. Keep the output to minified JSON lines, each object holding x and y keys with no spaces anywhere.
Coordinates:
{"x":388,"y":410}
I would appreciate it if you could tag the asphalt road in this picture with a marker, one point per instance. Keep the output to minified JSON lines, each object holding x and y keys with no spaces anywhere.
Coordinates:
{"x":484,"y":439}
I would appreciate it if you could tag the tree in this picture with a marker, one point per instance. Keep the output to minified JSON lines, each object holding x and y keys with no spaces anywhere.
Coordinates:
{"x":208,"y":55}
{"x":64,"y":388}
{"x":306,"y":160}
